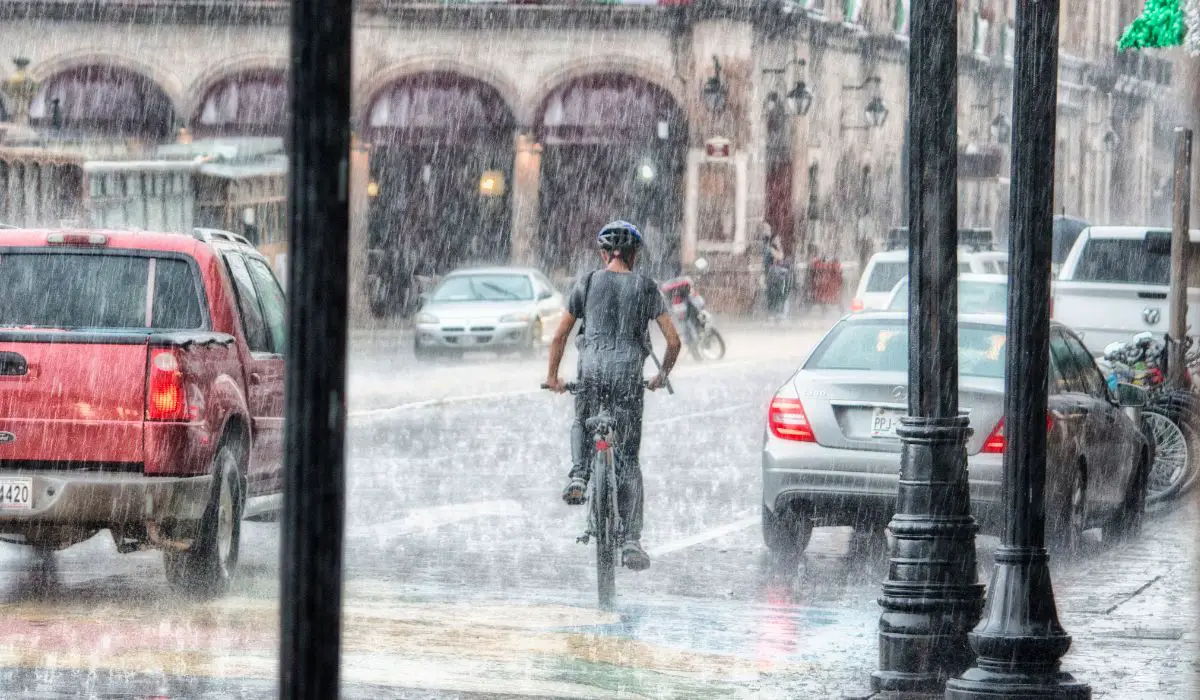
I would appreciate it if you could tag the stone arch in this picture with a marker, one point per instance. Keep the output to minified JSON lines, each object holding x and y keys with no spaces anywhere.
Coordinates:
{"x":134,"y":101}
{"x":221,"y":70}
{"x":168,"y":82}
{"x":581,"y":68}
{"x":369,"y":89}
{"x":247,"y":97}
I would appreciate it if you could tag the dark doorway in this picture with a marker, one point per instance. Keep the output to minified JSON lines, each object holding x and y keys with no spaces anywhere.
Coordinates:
{"x":441,"y":172}
{"x":615,"y":148}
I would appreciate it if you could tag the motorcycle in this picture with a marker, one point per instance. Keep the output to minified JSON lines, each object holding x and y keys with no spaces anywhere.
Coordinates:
{"x":694,"y":322}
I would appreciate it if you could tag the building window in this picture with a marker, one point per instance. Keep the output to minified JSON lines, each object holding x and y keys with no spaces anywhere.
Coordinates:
{"x":852,"y":10}
{"x":900,"y":21}
{"x":814,"y":187}
{"x":979,"y":42}
{"x":1010,"y":42}
{"x":817,"y":6}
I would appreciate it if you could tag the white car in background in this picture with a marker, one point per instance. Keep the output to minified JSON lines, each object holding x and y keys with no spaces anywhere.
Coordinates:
{"x":885,"y":270}
{"x":977,"y":294}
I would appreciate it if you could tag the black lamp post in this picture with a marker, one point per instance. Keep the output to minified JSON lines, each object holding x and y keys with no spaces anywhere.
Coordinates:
{"x":715,"y":90}
{"x":1019,"y":642}
{"x":931,"y":598}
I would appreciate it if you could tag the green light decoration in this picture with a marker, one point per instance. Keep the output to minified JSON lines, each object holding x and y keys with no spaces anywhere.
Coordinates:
{"x":1161,"y":25}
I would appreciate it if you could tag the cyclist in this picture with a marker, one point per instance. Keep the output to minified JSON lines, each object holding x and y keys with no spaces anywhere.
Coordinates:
{"x":617,"y":306}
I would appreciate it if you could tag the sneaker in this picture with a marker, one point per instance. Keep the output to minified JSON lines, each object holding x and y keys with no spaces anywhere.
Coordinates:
{"x":573,"y":494}
{"x":633,"y":557}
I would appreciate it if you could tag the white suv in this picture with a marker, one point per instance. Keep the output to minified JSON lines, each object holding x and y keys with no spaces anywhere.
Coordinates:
{"x":887,"y":268}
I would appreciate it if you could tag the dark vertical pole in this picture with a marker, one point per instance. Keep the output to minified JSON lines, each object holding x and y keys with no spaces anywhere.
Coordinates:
{"x":1180,"y":214}
{"x":318,"y":274}
{"x":931,"y":598}
{"x":1020,"y":641}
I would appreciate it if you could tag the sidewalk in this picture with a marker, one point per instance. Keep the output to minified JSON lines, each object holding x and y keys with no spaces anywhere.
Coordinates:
{"x":1132,"y":612}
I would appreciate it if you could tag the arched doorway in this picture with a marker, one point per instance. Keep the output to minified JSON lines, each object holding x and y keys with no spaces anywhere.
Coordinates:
{"x":441,"y":173}
{"x":614,"y":147}
{"x":102,"y":100}
{"x":246,"y":103}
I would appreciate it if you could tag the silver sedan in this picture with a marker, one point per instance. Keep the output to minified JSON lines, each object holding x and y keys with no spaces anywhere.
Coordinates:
{"x":494,"y":309}
{"x":831,"y":455}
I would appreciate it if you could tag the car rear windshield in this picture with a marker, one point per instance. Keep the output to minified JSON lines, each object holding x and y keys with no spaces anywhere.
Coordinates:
{"x":1132,"y":261}
{"x":485,"y":288}
{"x":882,"y":346}
{"x":885,"y":275}
{"x":74,"y":290}
{"x":974,"y":297}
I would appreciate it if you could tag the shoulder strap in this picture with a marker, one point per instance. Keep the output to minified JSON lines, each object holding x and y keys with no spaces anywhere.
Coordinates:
{"x":587,"y":288}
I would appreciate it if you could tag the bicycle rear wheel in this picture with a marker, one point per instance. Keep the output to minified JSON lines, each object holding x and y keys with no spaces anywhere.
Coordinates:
{"x":604,"y":505}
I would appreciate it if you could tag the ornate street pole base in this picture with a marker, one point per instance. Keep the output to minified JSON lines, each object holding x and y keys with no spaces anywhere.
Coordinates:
{"x":931,"y":598}
{"x":1020,"y":641}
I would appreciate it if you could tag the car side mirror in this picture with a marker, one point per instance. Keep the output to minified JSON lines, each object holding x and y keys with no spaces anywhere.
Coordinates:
{"x":544,"y":294}
{"x":424,"y":297}
{"x":1130,"y":396}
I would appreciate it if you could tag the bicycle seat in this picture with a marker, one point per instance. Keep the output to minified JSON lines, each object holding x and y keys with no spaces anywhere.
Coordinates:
{"x":599,"y":421}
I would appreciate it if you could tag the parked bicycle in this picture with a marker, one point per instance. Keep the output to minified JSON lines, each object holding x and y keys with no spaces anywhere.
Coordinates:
{"x":604,"y":522}
{"x":1171,"y":416}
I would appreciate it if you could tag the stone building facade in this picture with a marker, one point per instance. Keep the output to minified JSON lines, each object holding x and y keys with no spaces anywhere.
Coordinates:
{"x":511,"y":132}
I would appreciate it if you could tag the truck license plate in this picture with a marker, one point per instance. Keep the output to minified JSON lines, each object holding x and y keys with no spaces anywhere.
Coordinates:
{"x":16,"y":494}
{"x":884,"y":423}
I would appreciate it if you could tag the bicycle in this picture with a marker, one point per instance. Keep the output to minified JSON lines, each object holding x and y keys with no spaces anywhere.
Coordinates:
{"x":604,"y":518}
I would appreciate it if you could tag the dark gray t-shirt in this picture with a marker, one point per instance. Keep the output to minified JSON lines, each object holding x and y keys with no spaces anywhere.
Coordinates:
{"x":619,"y":309}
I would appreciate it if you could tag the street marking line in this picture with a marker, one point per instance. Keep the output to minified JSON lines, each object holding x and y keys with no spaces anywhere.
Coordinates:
{"x":470,"y":398}
{"x":706,"y":536}
{"x":433,"y":517}
{"x":700,"y":414}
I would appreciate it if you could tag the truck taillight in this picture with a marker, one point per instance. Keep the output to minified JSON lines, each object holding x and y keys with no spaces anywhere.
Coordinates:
{"x":996,"y":443}
{"x":788,"y":421}
{"x":165,"y":398}
{"x":94,"y":239}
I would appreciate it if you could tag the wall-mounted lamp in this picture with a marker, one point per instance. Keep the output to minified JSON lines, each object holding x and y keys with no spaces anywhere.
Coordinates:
{"x":797,"y":101}
{"x":876,"y":111}
{"x":1000,"y":127}
{"x":715,"y":89}
{"x":372,"y":189}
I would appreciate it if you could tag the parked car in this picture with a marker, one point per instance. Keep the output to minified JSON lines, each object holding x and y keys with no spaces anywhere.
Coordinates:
{"x":493,"y":309}
{"x":977,"y":294}
{"x":831,"y":455}
{"x":1114,"y":284}
{"x":141,"y":391}
{"x":885,"y":269}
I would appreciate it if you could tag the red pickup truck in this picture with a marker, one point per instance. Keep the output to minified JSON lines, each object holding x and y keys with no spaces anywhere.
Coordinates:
{"x":141,"y":391}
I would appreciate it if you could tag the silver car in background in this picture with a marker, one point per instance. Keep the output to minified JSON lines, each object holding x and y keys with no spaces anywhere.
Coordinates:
{"x":831,"y":455}
{"x":491,"y":309}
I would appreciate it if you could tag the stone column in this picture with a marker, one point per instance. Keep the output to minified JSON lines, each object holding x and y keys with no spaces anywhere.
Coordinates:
{"x":527,"y":174}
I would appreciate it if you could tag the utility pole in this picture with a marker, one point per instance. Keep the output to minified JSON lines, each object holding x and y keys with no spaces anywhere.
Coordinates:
{"x":1180,"y":248}
{"x":314,"y":478}
{"x":931,"y":598}
{"x":1019,"y":642}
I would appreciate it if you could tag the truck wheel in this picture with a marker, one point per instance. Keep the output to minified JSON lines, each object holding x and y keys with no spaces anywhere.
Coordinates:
{"x":206,"y":569}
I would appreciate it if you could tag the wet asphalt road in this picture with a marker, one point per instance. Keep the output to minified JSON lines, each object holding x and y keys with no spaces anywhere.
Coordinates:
{"x":463,"y":574}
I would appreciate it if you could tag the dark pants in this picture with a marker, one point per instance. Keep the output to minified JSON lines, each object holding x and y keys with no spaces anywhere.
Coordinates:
{"x":623,"y":399}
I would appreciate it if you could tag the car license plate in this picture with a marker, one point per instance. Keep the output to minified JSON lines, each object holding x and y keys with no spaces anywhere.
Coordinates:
{"x":884,"y":423}
{"x":16,"y":494}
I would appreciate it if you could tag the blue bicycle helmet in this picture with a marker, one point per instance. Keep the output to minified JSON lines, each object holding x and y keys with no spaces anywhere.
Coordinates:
{"x":619,"y":235}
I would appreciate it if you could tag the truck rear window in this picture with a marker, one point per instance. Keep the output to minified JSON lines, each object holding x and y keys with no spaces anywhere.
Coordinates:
{"x":885,"y":275}
{"x":1131,"y":261}
{"x":72,"y":290}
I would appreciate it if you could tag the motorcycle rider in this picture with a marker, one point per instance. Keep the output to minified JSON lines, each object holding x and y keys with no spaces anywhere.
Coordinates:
{"x":617,"y":306}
